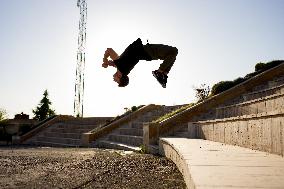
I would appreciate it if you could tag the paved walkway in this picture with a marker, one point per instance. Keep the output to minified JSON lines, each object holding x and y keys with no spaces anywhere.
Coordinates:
{"x":208,"y":164}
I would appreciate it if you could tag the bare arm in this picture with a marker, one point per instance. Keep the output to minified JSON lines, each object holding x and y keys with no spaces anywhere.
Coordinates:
{"x":110,"y":53}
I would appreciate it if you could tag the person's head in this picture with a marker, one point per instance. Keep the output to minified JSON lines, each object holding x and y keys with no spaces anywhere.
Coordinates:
{"x":121,"y":79}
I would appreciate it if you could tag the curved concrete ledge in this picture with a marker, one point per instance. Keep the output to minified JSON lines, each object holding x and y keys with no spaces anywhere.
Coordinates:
{"x":167,"y":149}
{"x":207,"y":164}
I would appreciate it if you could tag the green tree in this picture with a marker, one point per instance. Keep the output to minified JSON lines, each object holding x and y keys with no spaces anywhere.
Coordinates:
{"x":3,"y":114}
{"x":43,"y":110}
{"x":3,"y":123}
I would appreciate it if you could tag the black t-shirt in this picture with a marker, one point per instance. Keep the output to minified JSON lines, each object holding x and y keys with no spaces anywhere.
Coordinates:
{"x":131,"y":56}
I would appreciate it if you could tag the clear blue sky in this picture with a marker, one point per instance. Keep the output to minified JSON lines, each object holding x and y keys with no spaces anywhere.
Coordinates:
{"x":217,"y":40}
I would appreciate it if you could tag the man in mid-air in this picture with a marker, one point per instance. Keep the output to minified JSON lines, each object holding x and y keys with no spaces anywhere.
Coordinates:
{"x":137,"y":51}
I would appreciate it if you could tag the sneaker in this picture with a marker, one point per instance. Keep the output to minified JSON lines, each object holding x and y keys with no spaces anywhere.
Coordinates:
{"x":161,"y":78}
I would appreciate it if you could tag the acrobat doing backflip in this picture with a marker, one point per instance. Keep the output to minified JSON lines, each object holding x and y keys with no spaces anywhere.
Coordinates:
{"x":135,"y":52}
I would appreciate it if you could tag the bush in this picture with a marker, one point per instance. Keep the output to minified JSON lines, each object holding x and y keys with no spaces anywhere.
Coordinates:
{"x":134,"y":108}
{"x":239,"y":80}
{"x":259,"y":67}
{"x":221,"y":86}
{"x":202,"y":92}
{"x":3,"y":114}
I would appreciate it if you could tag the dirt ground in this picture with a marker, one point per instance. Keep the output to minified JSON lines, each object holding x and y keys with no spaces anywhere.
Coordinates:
{"x":85,"y":168}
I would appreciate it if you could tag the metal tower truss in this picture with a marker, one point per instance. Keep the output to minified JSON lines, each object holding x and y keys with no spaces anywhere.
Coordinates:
{"x":79,"y":83}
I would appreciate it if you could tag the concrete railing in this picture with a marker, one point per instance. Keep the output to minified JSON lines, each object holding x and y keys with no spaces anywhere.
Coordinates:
{"x":40,"y":127}
{"x":264,"y":131}
{"x":153,"y":131}
{"x":99,"y":132}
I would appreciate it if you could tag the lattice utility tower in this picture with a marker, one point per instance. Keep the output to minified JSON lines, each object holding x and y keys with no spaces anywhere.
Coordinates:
{"x":79,"y":83}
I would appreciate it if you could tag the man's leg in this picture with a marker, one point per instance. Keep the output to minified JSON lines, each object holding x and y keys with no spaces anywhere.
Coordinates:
{"x":167,"y":54}
{"x":163,"y":52}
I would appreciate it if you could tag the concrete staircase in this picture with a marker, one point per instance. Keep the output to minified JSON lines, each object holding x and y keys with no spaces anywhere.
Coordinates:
{"x":237,"y":142}
{"x":66,"y":133}
{"x":264,"y":100}
{"x":253,"y":120}
{"x":129,"y":136}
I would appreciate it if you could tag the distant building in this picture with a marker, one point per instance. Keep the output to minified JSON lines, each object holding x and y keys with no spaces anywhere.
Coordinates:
{"x":22,"y":116}
{"x":13,"y":126}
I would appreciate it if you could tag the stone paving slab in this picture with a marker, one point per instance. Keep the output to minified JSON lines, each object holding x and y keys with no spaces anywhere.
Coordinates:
{"x":216,"y":165}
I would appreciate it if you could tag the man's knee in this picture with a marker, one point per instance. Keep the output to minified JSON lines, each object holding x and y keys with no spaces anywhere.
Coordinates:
{"x":174,"y":51}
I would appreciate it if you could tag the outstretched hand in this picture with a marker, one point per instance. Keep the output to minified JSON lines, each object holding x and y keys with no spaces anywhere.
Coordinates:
{"x":104,"y":65}
{"x":107,"y":63}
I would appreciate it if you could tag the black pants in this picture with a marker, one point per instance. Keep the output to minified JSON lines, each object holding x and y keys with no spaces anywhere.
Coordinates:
{"x":163,"y":52}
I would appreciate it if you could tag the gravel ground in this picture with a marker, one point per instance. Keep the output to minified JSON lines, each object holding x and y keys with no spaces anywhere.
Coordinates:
{"x":85,"y":168}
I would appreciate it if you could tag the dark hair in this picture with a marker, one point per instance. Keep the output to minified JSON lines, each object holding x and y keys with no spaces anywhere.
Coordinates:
{"x":124,"y":80}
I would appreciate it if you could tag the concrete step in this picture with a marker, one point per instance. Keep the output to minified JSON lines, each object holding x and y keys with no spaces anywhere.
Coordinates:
{"x":153,"y":149}
{"x":63,"y":130}
{"x":170,"y":108}
{"x":135,"y":124}
{"x":182,"y":128}
{"x":273,"y":83}
{"x":126,"y":139}
{"x":129,"y":131}
{"x":152,"y":114}
{"x":70,"y":141}
{"x":88,"y":121}
{"x":116,"y":145}
{"x":145,"y":118}
{"x":263,"y":93}
{"x":181,"y":134}
{"x":206,"y":164}
{"x":260,"y":105}
{"x":276,"y":82}
{"x":72,"y":126}
{"x":62,"y":135}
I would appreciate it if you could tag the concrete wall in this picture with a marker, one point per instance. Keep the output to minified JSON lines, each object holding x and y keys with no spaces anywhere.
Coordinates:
{"x":258,"y":132}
